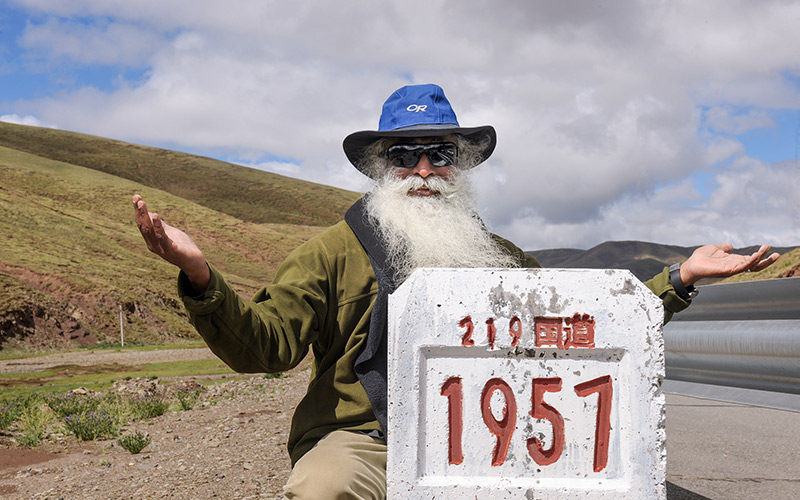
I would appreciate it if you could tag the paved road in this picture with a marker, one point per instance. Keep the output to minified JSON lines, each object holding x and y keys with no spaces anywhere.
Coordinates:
{"x":731,"y":451}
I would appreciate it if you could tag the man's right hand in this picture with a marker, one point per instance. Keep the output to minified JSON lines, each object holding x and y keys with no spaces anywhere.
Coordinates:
{"x":172,"y":245}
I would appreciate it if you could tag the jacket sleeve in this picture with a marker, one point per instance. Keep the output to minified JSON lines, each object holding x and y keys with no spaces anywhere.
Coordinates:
{"x":661,"y":286}
{"x":271,"y":332}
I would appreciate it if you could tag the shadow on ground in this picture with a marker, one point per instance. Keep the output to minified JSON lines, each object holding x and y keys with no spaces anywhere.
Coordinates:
{"x":675,"y":492}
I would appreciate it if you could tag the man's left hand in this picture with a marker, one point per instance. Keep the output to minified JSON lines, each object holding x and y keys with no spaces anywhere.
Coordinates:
{"x":717,"y":261}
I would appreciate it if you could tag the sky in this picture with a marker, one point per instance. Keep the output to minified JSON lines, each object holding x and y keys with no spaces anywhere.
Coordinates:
{"x":675,"y":122}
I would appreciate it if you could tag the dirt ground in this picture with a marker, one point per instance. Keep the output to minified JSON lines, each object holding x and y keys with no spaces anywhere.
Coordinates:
{"x":232,"y":445}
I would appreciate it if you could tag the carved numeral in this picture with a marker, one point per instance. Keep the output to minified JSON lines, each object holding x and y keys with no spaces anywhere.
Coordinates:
{"x":491,"y":332}
{"x":466,"y":340}
{"x":452,"y":388}
{"x":604,"y":389}
{"x":503,"y":428}
{"x":540,"y":409}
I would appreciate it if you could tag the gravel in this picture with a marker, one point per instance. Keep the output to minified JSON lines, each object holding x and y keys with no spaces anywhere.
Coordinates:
{"x":231,"y":445}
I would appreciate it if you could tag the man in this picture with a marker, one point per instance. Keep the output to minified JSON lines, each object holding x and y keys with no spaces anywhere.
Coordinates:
{"x":331,"y":293}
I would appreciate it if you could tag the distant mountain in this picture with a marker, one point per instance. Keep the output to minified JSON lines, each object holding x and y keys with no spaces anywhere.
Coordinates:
{"x":642,"y":258}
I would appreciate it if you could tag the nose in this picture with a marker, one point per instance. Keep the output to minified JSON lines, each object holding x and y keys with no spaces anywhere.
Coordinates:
{"x":423,"y":167}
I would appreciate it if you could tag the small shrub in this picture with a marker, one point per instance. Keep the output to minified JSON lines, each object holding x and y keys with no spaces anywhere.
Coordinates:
{"x":91,"y":425}
{"x":149,"y":406}
{"x":70,"y":403}
{"x":117,"y":407}
{"x":272,"y":375}
{"x":30,"y":440}
{"x":135,"y":442}
{"x":10,"y":411}
{"x":33,"y":423}
{"x":187,"y":397}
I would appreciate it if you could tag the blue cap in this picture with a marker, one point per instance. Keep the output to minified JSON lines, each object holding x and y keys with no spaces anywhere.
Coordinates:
{"x":417,"y":105}
{"x":416,"y":111}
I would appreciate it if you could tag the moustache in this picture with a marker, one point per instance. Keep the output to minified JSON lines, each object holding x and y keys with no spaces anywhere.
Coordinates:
{"x":435,"y":184}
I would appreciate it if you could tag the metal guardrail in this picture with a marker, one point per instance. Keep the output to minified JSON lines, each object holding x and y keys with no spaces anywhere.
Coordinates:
{"x":738,"y":342}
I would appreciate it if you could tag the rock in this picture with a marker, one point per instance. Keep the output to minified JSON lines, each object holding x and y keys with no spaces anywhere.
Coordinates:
{"x":791,"y":273}
{"x":141,"y":387}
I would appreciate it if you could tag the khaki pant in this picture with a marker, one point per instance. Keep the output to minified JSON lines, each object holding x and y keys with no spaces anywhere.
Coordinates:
{"x":343,"y":465}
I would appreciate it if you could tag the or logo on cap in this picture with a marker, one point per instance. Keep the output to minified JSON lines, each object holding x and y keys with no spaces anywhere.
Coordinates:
{"x":416,"y":108}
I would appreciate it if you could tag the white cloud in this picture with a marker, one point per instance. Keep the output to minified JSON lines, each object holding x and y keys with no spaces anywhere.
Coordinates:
{"x":107,"y":43}
{"x":26,"y":120}
{"x":327,"y":175}
{"x":597,"y":108}
{"x":753,"y":204}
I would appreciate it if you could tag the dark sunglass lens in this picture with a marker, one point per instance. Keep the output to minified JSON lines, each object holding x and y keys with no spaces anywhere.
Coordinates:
{"x":437,"y":159}
{"x":409,"y":159}
{"x":403,"y":155}
{"x":442,"y":155}
{"x":404,"y":159}
{"x":408,"y":155}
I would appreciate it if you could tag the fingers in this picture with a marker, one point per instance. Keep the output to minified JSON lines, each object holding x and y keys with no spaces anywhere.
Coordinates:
{"x":755,"y":257}
{"x":140,"y":211}
{"x":151,"y":227}
{"x":158,"y":231}
{"x":139,"y":205}
{"x":770,"y":260}
{"x":756,"y":263}
{"x":142,"y":216}
{"x":760,"y":252}
{"x":725,"y":247}
{"x":765,"y":263}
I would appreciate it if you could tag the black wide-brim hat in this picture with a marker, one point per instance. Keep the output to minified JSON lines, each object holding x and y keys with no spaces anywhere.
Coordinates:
{"x":417,"y":111}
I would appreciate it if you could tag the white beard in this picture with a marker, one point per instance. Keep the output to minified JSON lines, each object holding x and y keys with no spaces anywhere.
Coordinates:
{"x":435,"y":231}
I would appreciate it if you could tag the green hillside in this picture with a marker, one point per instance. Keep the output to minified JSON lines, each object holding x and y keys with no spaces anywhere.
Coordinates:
{"x":247,"y":194}
{"x":71,"y":254}
{"x":787,"y":266}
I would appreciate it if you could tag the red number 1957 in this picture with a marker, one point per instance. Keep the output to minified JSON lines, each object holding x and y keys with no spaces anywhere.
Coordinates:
{"x":503,"y":428}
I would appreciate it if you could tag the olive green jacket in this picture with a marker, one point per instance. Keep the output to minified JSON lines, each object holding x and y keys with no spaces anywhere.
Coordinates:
{"x":322,"y":298}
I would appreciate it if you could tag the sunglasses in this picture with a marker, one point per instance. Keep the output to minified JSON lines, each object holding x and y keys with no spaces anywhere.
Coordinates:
{"x":440,"y":154}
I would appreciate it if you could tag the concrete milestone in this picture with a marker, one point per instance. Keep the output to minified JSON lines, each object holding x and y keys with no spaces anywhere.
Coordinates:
{"x":525,"y":383}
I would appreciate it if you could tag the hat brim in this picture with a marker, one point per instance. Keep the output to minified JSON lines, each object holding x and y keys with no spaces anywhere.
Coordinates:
{"x":355,"y":143}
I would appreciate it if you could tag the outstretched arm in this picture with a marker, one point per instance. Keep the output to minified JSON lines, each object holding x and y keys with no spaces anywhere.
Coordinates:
{"x":717,"y":261}
{"x":172,"y":245}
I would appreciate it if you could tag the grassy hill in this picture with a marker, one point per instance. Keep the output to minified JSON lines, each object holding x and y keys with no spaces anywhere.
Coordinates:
{"x":787,"y":266}
{"x":247,"y":194}
{"x":71,"y":254}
